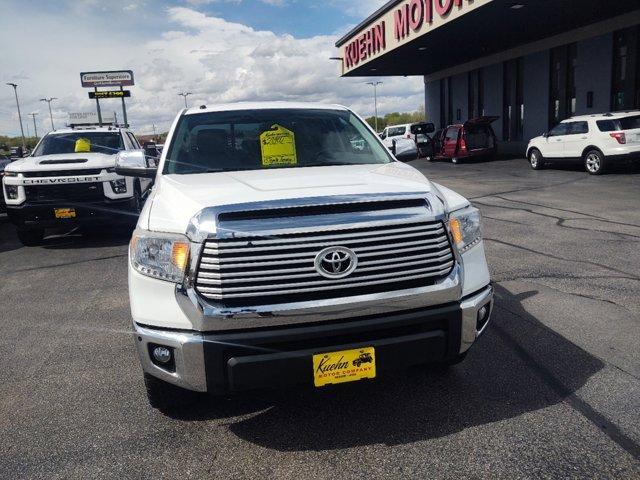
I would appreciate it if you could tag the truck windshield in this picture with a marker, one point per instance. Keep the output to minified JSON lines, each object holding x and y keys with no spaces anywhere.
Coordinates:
{"x":80,"y":142}
{"x":267,"y":139}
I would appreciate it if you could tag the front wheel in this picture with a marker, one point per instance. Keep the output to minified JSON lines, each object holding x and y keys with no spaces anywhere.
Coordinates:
{"x":536,"y":160}
{"x":594,"y":162}
{"x":31,"y":237}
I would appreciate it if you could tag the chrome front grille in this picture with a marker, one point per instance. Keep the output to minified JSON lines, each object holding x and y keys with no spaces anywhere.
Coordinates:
{"x":281,"y":268}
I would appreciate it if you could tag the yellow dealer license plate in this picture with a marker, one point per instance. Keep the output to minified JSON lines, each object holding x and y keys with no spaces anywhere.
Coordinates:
{"x":344,"y":366}
{"x":65,"y":212}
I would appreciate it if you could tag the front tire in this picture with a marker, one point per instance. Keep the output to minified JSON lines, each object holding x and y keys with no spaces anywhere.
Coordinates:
{"x":594,"y":162}
{"x":536,"y":160}
{"x":31,"y":237}
{"x":167,"y":397}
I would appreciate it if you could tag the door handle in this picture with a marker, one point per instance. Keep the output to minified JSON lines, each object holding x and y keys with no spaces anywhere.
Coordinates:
{"x":584,"y":138}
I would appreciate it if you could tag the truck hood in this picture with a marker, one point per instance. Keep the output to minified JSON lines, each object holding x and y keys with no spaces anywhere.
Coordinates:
{"x":177,"y":198}
{"x":66,"y":161}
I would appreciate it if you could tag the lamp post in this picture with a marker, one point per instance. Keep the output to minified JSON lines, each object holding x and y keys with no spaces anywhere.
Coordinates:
{"x":35,"y":128}
{"x":15,"y":91}
{"x":49,"y":100}
{"x":185,"y":95}
{"x":375,"y":101}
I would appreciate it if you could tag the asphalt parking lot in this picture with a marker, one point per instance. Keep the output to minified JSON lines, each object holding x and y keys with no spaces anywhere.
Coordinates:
{"x":552,"y":391}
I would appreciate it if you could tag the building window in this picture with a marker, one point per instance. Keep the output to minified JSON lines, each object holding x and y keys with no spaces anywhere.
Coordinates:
{"x":513,"y":100}
{"x":443,"y":102}
{"x":562,"y":91}
{"x":572,"y":63}
{"x":625,"y":84}
{"x":476,"y":93}
{"x":471,"y":85}
{"x":519,"y":131}
{"x":449,"y":101}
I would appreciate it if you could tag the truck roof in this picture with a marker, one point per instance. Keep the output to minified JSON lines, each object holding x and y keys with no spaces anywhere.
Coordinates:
{"x":604,"y":116}
{"x":89,"y":128}
{"x":226,"y":107}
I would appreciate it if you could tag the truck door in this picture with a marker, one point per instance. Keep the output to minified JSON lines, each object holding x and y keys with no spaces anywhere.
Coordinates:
{"x":450,"y":141}
{"x":575,"y":139}
{"x":554,"y":146}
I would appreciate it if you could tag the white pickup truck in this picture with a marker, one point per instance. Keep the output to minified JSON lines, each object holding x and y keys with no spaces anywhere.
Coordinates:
{"x":283,"y":244}
{"x":70,"y":180}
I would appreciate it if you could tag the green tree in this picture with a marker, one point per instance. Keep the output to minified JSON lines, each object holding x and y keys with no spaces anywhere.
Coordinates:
{"x":397,"y":118}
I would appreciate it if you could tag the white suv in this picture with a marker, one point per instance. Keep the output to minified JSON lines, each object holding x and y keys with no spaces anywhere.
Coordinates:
{"x":596,"y":140}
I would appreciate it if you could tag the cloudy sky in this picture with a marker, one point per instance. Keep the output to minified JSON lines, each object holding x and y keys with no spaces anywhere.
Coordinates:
{"x":221,"y":50}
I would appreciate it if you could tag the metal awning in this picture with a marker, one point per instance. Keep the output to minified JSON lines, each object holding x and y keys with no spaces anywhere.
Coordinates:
{"x":491,"y":27}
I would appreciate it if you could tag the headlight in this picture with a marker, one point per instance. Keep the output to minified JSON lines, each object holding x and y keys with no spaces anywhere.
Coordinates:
{"x":10,"y":174}
{"x":466,"y":228}
{"x":161,"y":256}
{"x":119,"y":186}
{"x":11,"y":192}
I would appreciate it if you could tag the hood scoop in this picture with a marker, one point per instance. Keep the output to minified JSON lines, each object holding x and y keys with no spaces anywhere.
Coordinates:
{"x":63,"y":162}
{"x":311,"y":210}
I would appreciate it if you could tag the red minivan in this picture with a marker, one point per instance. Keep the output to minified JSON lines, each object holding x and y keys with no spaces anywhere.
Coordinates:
{"x":471,"y":139}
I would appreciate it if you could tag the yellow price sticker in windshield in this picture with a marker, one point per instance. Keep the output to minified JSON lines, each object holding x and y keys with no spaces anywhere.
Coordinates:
{"x":278,"y":147}
{"x":83,"y":145}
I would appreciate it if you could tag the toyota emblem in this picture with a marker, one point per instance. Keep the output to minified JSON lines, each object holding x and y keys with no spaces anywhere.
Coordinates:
{"x":336,"y":262}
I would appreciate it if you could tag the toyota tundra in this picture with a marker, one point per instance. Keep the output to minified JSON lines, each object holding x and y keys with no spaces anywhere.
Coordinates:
{"x":284,"y":244}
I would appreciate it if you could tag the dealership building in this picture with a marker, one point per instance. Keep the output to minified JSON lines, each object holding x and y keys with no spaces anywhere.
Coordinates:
{"x":533,"y":63}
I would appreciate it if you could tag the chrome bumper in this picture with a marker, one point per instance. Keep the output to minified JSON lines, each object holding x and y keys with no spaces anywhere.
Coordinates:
{"x":188,"y":347}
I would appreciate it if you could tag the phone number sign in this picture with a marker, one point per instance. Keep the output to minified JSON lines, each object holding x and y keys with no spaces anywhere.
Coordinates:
{"x":116,"y":78}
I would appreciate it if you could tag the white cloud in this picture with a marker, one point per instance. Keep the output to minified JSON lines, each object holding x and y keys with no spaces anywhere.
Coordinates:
{"x":217,"y":60}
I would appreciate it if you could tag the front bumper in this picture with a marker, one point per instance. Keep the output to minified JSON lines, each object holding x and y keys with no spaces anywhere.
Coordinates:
{"x":41,"y":214}
{"x":276,"y":357}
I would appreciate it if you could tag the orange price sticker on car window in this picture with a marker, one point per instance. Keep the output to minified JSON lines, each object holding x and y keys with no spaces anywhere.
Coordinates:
{"x":278,"y":147}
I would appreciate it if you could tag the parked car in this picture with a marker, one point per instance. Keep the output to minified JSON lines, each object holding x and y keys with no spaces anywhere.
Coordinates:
{"x":597,"y":141}
{"x":472,"y":139}
{"x":418,"y":132}
{"x":267,"y":262}
{"x":17,"y":152}
{"x":70,"y":179}
{"x":4,"y":161}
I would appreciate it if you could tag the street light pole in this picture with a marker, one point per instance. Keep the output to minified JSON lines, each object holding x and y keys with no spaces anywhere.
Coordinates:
{"x":185,"y":95}
{"x":375,"y":101}
{"x":35,"y":128}
{"x":15,"y":91}
{"x":49,"y":100}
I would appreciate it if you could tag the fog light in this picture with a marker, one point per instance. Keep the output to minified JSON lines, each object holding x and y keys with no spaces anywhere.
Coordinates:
{"x":11,"y":192}
{"x":162,"y":355}
{"x":119,"y":186}
{"x":483,"y":317}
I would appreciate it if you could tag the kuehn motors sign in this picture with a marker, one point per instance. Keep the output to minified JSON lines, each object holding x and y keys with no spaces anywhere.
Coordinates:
{"x":116,"y":78}
{"x":401,"y":23}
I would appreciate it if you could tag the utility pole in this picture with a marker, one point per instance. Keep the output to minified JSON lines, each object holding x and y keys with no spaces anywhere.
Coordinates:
{"x":15,"y":91}
{"x":124,"y":110}
{"x":185,"y":95}
{"x":35,"y":128}
{"x":49,"y":100}
{"x":375,"y":101}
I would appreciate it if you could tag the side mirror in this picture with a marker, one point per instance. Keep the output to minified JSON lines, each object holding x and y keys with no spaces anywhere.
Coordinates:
{"x":430,"y":128}
{"x":545,"y":134}
{"x":393,"y":148}
{"x":133,"y":163}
